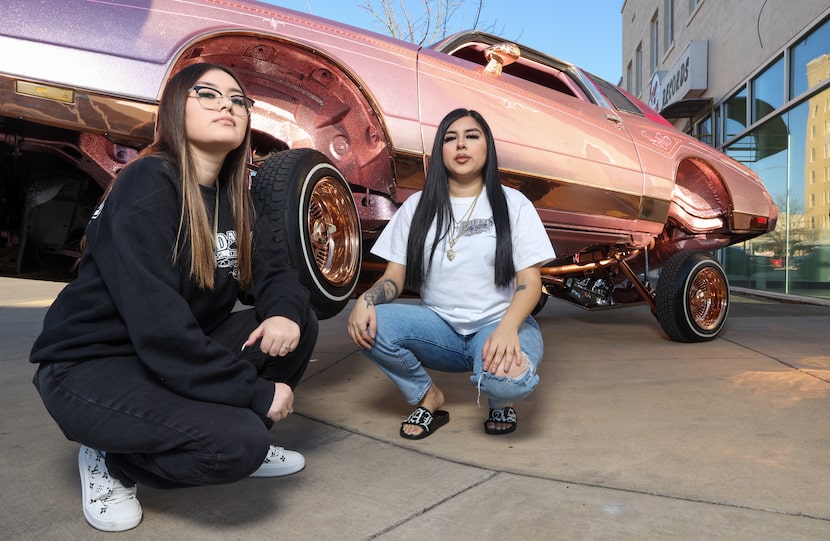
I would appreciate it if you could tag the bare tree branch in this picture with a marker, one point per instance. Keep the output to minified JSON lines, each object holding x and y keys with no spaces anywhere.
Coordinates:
{"x":432,"y":21}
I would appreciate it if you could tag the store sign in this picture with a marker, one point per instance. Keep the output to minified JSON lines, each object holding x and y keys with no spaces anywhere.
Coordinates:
{"x":688,"y":78}
{"x":655,"y":92}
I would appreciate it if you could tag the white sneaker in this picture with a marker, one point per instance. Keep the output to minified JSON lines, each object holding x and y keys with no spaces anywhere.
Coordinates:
{"x":108,"y":504}
{"x":280,"y":462}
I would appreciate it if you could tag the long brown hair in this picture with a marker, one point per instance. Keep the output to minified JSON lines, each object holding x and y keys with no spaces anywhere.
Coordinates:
{"x":171,"y":142}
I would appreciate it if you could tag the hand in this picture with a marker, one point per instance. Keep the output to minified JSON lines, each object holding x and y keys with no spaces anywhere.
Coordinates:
{"x":501,"y":351}
{"x":363,"y":321}
{"x":362,"y":324}
{"x":283,"y":403}
{"x":279,"y":335}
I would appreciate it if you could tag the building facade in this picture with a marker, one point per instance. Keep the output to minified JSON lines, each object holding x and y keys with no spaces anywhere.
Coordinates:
{"x":752,"y":78}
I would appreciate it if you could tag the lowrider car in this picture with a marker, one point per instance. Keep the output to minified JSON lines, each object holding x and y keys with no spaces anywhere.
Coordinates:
{"x":343,"y":123}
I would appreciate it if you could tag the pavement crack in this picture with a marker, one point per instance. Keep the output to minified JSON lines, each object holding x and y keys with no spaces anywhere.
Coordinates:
{"x":434,"y":505}
{"x":777,"y":360}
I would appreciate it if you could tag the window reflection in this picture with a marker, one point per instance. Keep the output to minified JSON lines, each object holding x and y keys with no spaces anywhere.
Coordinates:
{"x":735,"y":114}
{"x":704,"y":131}
{"x":788,"y":154}
{"x":790,"y":151}
{"x":815,"y":46}
{"x":768,"y":90}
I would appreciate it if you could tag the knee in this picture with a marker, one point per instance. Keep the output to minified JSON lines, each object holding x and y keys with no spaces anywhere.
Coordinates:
{"x":308,"y":336}
{"x":514,"y":385}
{"x":312,"y":327}
{"x":518,"y":370}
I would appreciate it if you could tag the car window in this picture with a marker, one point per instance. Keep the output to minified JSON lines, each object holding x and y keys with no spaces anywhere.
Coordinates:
{"x":524,"y":68}
{"x":625,"y":102}
{"x":545,"y":76}
{"x":617,"y":98}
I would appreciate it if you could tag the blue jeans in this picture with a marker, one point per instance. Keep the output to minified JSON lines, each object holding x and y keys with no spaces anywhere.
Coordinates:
{"x":412,"y":338}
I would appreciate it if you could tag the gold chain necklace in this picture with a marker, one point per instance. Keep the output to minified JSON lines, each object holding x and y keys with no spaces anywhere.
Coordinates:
{"x":464,"y":224}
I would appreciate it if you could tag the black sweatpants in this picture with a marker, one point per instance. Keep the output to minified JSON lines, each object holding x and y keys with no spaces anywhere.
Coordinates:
{"x":156,"y":437}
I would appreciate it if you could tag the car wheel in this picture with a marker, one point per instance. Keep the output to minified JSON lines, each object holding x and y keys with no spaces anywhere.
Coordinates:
{"x":692,"y":297}
{"x":311,"y":209}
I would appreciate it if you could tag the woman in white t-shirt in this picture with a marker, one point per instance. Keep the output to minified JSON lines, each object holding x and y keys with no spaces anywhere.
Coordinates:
{"x":472,"y":248}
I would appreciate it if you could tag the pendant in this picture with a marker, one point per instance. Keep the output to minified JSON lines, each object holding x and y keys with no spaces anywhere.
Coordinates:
{"x":450,"y":254}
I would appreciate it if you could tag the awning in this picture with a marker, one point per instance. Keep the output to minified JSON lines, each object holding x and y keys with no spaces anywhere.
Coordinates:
{"x":688,"y":108}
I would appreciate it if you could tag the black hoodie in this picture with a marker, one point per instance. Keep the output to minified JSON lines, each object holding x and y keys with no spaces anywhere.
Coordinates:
{"x":132,"y":299}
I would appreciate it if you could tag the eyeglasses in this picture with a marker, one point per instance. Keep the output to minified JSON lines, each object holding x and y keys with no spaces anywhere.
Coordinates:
{"x":211,"y":99}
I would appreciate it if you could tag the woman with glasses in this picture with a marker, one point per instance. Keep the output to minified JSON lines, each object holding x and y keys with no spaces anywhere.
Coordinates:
{"x":142,"y":358}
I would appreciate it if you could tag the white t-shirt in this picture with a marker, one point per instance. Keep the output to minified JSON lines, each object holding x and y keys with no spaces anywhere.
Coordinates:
{"x":463,"y":291}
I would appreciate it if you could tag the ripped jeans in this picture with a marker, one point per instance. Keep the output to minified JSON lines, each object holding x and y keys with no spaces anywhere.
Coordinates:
{"x":413,"y":338}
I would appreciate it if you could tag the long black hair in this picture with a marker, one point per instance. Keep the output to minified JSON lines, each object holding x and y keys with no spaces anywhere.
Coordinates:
{"x":435,"y":206}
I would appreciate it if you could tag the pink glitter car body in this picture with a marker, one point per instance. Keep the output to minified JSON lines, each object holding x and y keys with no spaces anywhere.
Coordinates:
{"x":343,"y":122}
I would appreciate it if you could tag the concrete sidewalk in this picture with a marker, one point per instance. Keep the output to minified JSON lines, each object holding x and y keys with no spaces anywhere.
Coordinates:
{"x":629,"y":436}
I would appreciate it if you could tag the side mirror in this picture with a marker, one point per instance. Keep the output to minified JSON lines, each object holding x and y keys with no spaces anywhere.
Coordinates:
{"x":499,"y":56}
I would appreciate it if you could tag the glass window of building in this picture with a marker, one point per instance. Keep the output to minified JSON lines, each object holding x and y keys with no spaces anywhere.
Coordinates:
{"x":638,"y":70}
{"x":668,"y":25}
{"x":704,"y":131}
{"x":807,"y":57}
{"x":795,"y":257}
{"x":655,"y":44}
{"x":735,"y":114}
{"x":767,"y":90}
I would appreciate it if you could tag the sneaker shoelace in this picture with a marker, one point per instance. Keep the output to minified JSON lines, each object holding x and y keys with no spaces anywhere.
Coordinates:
{"x":104,"y":488}
{"x":274,"y":453}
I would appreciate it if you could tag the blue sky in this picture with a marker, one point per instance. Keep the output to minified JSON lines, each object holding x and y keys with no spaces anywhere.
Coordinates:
{"x":587,"y":33}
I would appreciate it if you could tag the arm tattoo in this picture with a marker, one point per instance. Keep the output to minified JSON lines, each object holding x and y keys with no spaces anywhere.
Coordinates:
{"x":520,"y":287}
{"x":382,"y":292}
